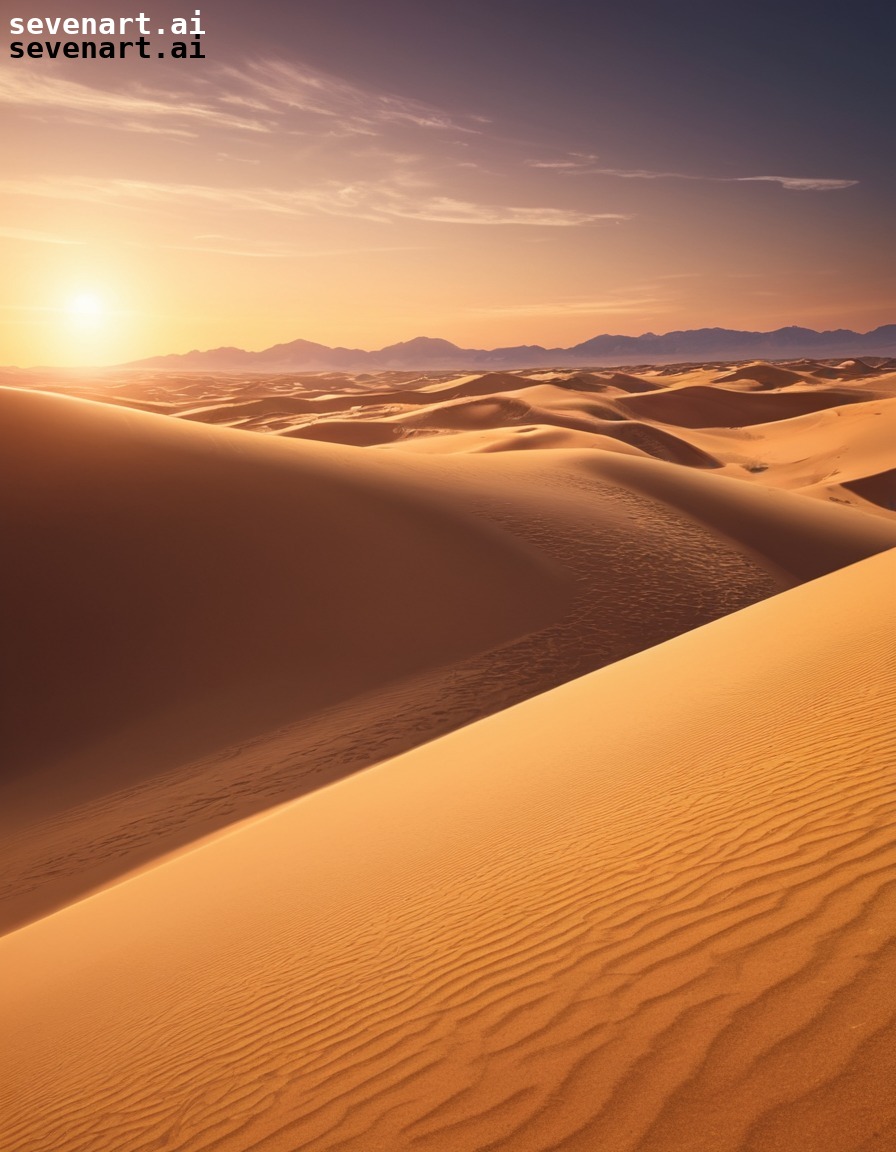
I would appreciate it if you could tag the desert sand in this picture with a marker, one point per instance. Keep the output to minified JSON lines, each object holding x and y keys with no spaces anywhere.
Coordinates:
{"x":449,"y":762}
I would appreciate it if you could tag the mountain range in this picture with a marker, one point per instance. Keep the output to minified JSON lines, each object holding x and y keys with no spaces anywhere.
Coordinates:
{"x":426,"y":353}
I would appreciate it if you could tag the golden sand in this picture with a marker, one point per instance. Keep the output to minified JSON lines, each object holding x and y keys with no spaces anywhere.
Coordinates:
{"x":620,"y":873}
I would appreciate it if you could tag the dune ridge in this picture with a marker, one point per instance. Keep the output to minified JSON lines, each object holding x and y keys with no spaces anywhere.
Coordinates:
{"x":669,"y":927}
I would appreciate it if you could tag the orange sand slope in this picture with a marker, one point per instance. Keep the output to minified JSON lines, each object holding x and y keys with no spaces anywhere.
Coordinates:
{"x":208,"y":622}
{"x":653,"y":909}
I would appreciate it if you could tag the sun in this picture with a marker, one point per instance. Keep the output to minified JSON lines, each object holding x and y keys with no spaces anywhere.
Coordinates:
{"x":86,"y":310}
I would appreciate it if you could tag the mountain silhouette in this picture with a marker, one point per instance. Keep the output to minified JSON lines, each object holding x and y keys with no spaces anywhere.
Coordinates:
{"x":425,"y":352}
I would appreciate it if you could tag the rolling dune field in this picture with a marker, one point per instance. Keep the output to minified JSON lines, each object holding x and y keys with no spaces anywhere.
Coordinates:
{"x":425,"y":761}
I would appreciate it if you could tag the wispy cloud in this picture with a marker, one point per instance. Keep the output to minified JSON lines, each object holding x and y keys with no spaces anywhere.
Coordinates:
{"x":279,"y":87}
{"x":584,"y":166}
{"x":30,"y":237}
{"x":377,"y":200}
{"x":574,"y":161}
{"x":403,"y":161}
{"x":146,"y":191}
{"x":553,"y":164}
{"x":135,"y":109}
{"x":621,"y":305}
{"x":446,"y":210}
{"x":262,"y":96}
{"x":801,"y":183}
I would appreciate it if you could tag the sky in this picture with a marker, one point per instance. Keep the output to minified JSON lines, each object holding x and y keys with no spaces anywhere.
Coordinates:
{"x":495,"y":173}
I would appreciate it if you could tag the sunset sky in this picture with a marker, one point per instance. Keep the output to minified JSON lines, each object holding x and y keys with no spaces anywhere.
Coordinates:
{"x":357,"y":173}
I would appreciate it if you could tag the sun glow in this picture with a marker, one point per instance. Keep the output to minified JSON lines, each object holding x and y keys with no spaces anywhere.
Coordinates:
{"x":86,"y":310}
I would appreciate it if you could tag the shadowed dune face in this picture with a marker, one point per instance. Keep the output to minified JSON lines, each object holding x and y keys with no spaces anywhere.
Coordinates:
{"x":357,"y":433}
{"x":663,"y":445}
{"x":161,"y":565}
{"x":879,"y":489}
{"x":701,"y":406}
{"x":628,"y":383}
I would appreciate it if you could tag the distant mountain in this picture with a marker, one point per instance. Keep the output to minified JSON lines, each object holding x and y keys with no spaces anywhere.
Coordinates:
{"x":425,"y":353}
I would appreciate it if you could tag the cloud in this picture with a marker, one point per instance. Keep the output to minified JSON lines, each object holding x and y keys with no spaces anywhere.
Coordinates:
{"x":583,"y":166}
{"x":577,"y":160}
{"x":553,"y":164}
{"x":802,"y":183}
{"x":262,"y":97}
{"x":147,"y":191}
{"x":30,"y":237}
{"x":614,"y":305}
{"x":376,"y":200}
{"x":387,"y":173}
{"x":333,"y":104}
{"x":133,"y":110}
{"x":446,"y":210}
{"x":640,"y":174}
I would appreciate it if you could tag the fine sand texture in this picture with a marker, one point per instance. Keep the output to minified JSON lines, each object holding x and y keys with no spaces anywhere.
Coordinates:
{"x":653,"y":909}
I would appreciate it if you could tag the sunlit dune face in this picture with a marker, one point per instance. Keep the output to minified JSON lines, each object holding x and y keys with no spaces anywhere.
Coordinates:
{"x":86,"y":310}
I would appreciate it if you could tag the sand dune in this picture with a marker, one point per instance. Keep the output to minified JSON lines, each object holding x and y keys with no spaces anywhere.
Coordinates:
{"x":163,"y":567}
{"x":518,"y":437}
{"x":209,"y":622}
{"x":827,"y":454}
{"x":650,"y":910}
{"x":805,"y":539}
{"x":478,"y":385}
{"x":617,"y":649}
{"x":576,"y":381}
{"x":675,"y":413}
{"x":628,"y":383}
{"x":700,"y":406}
{"x":766,"y":375}
{"x":662,"y":444}
{"x":631,"y":438}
